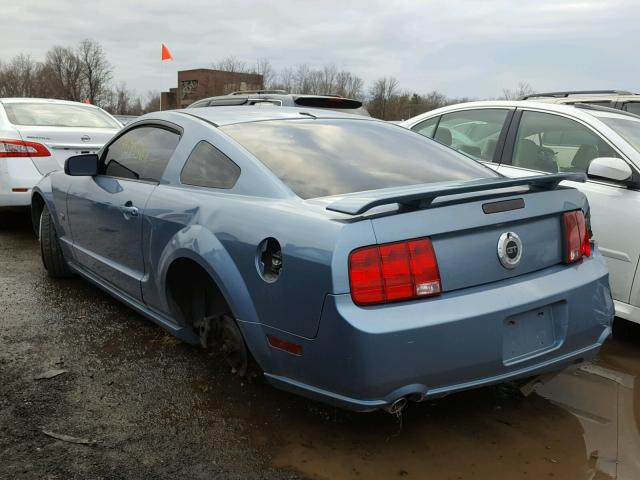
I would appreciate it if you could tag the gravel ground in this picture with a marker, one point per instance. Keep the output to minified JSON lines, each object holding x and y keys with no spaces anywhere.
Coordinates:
{"x":154,"y":407}
{"x":150,"y":407}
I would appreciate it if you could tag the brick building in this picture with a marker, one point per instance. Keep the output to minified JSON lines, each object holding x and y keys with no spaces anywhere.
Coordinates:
{"x":203,"y":82}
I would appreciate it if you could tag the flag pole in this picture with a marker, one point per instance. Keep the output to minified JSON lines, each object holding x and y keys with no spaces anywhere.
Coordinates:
{"x":161,"y":77}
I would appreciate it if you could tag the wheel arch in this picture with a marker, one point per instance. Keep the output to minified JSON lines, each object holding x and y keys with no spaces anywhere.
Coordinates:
{"x":37,"y":205}
{"x":188,"y":265}
{"x":200,"y":246}
{"x":181,"y":275}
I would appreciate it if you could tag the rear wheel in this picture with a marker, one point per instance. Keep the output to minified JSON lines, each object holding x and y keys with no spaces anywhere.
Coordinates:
{"x":196,"y":301}
{"x":52,"y":256}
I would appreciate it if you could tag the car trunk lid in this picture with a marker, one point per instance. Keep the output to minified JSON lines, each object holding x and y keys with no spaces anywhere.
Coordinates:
{"x":64,"y":142}
{"x":466,"y":222}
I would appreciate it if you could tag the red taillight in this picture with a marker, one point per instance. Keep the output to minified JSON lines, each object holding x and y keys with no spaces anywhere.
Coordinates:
{"x":365,"y":276}
{"x":19,"y":148}
{"x":576,"y":236}
{"x":393,"y":272}
{"x":396,"y":271}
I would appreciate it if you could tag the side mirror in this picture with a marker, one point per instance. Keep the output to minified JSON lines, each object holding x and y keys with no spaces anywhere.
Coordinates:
{"x":611,"y":168}
{"x":82,"y":165}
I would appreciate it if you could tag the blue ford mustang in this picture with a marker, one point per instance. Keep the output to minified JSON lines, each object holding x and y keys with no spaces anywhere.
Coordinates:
{"x":356,"y":262}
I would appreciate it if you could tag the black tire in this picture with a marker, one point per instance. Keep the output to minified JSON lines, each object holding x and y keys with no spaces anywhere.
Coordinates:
{"x":52,"y":257}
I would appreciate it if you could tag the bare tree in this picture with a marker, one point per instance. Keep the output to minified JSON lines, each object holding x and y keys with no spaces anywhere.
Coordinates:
{"x":327,"y":79}
{"x":263,"y":67}
{"x":380,"y":94}
{"x":231,"y":64}
{"x":285,"y":80}
{"x":19,"y":77}
{"x":120,"y":99}
{"x":315,"y":82}
{"x":95,"y":70}
{"x":301,"y":79}
{"x":152,"y":103}
{"x":522,"y":90}
{"x":64,"y":72}
{"x":348,"y":85}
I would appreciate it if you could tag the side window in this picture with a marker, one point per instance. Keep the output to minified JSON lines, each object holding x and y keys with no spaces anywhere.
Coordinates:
{"x":551,"y":143}
{"x":632,"y":107}
{"x":472,"y":132}
{"x":209,"y":167}
{"x":141,"y":154}
{"x":427,"y":127}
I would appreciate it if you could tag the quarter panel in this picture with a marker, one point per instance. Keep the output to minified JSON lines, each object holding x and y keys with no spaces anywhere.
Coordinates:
{"x":53,"y":188}
{"x":225,"y":230}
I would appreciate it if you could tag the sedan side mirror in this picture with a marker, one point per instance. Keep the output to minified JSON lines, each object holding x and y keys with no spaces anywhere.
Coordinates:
{"x":81,"y":165}
{"x":610,"y":168}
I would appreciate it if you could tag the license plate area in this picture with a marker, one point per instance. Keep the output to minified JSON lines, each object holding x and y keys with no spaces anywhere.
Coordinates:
{"x":532,"y":333}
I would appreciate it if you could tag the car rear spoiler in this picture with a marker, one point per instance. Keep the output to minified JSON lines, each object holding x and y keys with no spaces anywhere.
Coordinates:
{"x":422,"y":195}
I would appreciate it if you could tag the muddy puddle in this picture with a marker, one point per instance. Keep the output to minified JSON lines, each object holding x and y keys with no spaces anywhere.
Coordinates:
{"x":580,"y":424}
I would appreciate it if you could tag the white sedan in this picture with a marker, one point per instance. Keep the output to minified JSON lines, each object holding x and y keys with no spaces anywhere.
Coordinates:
{"x":36,"y":137}
{"x":520,"y":138}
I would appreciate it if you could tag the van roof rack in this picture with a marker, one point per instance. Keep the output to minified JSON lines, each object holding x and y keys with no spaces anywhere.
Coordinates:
{"x":576,"y":92}
{"x":258,"y":92}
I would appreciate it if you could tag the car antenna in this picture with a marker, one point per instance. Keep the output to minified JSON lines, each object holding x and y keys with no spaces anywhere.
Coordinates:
{"x":308,"y":114}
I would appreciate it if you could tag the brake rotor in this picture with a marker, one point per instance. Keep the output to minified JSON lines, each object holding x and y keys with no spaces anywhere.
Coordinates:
{"x":232,"y":346}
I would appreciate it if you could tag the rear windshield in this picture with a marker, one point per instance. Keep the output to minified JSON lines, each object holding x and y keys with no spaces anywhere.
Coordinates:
{"x":321,"y":157}
{"x":57,"y":115}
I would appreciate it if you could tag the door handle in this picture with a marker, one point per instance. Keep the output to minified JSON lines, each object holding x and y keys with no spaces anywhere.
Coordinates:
{"x":129,"y":209}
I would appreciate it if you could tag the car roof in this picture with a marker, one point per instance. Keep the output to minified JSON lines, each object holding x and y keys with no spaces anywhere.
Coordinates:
{"x":589,"y":98}
{"x":220,"y":116}
{"x":584,"y":112}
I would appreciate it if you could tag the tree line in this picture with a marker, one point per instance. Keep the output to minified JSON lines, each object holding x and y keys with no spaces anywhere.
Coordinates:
{"x":83,"y":73}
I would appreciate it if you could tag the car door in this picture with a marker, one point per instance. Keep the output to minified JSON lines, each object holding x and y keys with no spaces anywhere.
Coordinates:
{"x":545,"y":142}
{"x":106,"y":212}
{"x":478,"y":133}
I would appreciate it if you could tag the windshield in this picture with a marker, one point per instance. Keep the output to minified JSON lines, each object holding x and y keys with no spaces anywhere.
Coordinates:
{"x":323,"y":157}
{"x":627,"y":128}
{"x":58,"y":115}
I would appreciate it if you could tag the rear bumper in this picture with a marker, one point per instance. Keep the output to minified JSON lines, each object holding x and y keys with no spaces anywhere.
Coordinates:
{"x":17,"y":173}
{"x":366,"y":358}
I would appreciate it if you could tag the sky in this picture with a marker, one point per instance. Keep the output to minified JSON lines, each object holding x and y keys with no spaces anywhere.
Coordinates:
{"x":462,"y":48}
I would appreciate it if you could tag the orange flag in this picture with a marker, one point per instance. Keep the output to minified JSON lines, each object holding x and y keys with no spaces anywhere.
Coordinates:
{"x":166,"y":54}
